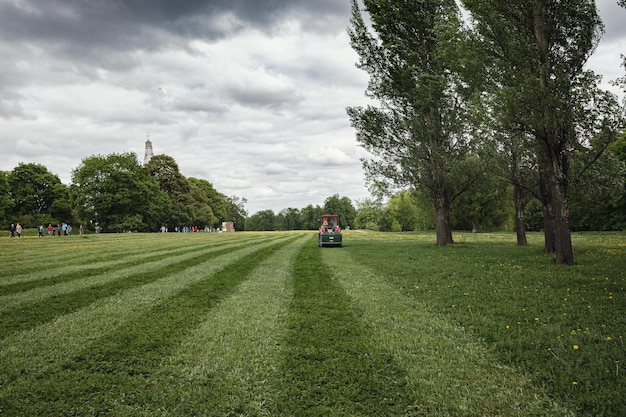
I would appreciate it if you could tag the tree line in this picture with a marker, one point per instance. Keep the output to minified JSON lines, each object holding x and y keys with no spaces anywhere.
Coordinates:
{"x":115,"y":193}
{"x":477,"y":117}
{"x":500,"y":94}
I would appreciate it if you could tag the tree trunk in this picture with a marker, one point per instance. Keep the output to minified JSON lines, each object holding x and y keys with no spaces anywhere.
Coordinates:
{"x":552,"y":136}
{"x":520,"y":225}
{"x":549,"y":239}
{"x":562,"y":234}
{"x":555,"y":211}
{"x":442,"y":222}
{"x":549,"y":245}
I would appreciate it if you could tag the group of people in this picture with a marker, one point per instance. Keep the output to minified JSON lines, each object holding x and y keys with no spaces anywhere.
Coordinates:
{"x":16,"y":229}
{"x":58,"y":230}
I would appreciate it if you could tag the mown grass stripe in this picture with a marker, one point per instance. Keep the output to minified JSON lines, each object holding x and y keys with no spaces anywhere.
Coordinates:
{"x":69,"y":273}
{"x":23,"y":258}
{"x":227,"y":364}
{"x":40,"y":294}
{"x":76,"y":261}
{"x":37,"y":313}
{"x":60,"y":252}
{"x":449,"y":372}
{"x":329,"y":367}
{"x":114,"y":366}
{"x":42,"y":350}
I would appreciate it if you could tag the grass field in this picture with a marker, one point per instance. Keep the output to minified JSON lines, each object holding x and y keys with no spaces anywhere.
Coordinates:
{"x":256,"y":324}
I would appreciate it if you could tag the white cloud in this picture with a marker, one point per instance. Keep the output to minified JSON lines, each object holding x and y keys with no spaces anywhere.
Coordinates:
{"x":248,"y":95}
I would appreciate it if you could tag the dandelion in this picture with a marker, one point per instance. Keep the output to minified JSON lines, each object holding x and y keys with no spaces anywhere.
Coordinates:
{"x":507,"y":326}
{"x":609,"y":338}
{"x":575,"y":347}
{"x":574,"y":383}
{"x":536,"y":318}
{"x":573,"y":332}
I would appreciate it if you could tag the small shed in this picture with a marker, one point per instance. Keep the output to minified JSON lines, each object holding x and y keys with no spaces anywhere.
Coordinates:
{"x":228,"y":227}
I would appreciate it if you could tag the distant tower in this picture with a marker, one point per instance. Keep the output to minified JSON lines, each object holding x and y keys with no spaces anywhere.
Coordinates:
{"x":148,"y":155}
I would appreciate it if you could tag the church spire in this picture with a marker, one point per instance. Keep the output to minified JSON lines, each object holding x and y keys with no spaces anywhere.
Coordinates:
{"x":148,"y":155}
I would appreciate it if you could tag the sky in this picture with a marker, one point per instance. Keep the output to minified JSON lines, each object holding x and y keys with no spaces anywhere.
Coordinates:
{"x":247,"y":94}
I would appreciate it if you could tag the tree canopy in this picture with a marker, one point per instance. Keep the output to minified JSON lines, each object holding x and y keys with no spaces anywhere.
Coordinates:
{"x":515,"y":76}
{"x":115,"y":193}
{"x":413,"y":56}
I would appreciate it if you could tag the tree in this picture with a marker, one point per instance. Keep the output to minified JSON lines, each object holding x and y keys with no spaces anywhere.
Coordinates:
{"x":165,"y":170}
{"x":536,"y":52}
{"x":342,"y":206}
{"x":288,"y":219}
{"x":597,"y":190}
{"x":521,"y":174}
{"x":310,"y":217}
{"x":261,"y":221}
{"x":34,"y":189}
{"x":486,"y":204}
{"x":115,"y":193}
{"x":215,"y":199}
{"x":236,"y":212}
{"x":6,"y":204}
{"x":618,"y":218}
{"x":201,"y":212}
{"x":415,"y":61}
{"x":403,"y":209}
{"x":368,"y":214}
{"x":61,"y":208}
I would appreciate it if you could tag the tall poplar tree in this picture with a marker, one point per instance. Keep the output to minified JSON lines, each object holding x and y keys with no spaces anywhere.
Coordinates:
{"x":537,"y":51}
{"x":412,"y":51}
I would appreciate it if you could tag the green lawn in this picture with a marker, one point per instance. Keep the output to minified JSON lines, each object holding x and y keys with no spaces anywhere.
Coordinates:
{"x":257,"y":324}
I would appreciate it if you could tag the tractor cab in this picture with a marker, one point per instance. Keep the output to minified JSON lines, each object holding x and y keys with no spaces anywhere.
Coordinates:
{"x":329,"y":231}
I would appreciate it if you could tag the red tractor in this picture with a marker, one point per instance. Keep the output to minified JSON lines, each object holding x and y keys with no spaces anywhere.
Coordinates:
{"x":329,"y":231}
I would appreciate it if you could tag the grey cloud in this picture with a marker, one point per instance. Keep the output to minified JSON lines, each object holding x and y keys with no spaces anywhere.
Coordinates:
{"x":199,"y":105}
{"x":613,"y":17}
{"x":13,"y":108}
{"x":264,"y":96}
{"x":124,"y":23}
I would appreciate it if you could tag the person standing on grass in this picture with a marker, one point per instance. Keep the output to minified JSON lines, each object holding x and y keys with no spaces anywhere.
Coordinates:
{"x":59,"y":230}
{"x":80,"y":229}
{"x":50,"y":229}
{"x":12,"y":229}
{"x":18,"y":230}
{"x":40,"y":230}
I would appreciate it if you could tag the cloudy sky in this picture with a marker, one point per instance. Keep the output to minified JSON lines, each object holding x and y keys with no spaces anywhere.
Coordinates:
{"x":248,"y":94}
